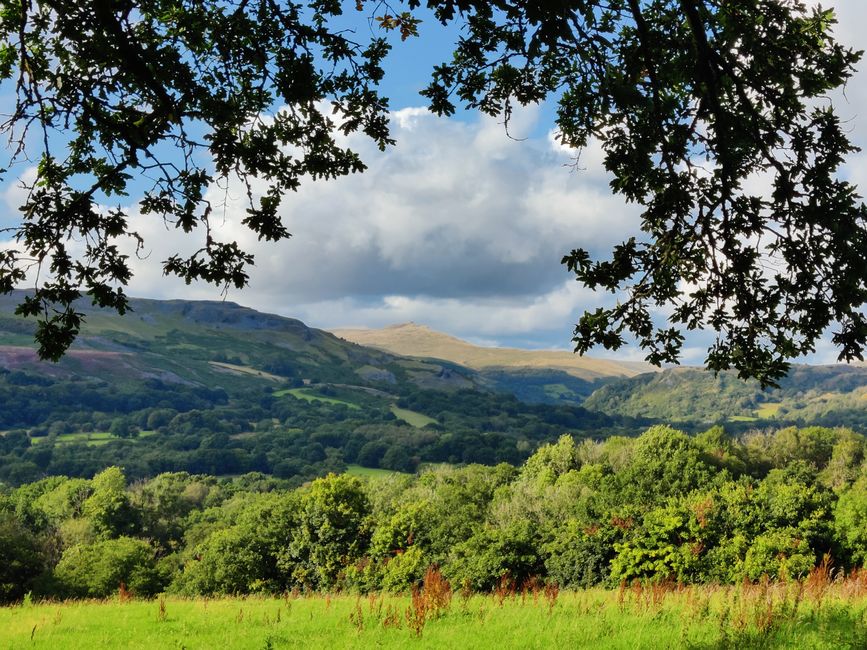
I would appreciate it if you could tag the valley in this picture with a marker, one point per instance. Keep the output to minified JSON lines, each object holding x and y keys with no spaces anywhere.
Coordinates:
{"x":217,"y":388}
{"x":195,"y":453}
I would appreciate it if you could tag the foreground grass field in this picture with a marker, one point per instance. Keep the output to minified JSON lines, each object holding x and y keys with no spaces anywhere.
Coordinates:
{"x":796,"y":615}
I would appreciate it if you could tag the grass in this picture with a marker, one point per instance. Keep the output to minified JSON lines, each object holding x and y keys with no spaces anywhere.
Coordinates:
{"x":412,"y":418}
{"x":558,"y":391}
{"x":793,"y":615}
{"x":764,"y":412}
{"x":246,"y":370}
{"x":768,"y":409}
{"x":307,"y":395}
{"x":368,"y":472}
{"x":90,"y":438}
{"x":414,"y":340}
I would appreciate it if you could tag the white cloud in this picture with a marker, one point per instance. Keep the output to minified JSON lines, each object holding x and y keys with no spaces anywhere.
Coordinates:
{"x":490,"y":319}
{"x":14,"y":195}
{"x":457,"y":226}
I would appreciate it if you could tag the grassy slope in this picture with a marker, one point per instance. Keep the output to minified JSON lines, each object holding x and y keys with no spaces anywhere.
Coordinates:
{"x":415,"y":340}
{"x":215,"y":344}
{"x":91,"y":438}
{"x":692,"y":394}
{"x":245,"y":370}
{"x":705,"y":617}
{"x":369,"y":472}
{"x":412,"y":418}
{"x":306,"y":395}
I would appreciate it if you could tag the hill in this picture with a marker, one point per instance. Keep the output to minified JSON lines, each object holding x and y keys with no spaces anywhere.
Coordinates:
{"x":535,"y":376}
{"x":830,"y":395}
{"x":210,"y":343}
{"x":214,"y":387}
{"x":414,"y":340}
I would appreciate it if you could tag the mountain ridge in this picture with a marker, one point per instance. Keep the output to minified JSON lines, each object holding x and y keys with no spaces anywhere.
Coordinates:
{"x":420,"y":341}
{"x":185,"y":341}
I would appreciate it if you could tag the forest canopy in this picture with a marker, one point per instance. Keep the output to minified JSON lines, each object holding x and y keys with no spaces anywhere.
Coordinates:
{"x":660,"y":507}
{"x":695,"y":104}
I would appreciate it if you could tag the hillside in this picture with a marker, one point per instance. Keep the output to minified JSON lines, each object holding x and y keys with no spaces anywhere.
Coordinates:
{"x":414,"y":340}
{"x":217,"y":388}
{"x":214,"y":387}
{"x":535,"y":376}
{"x":210,"y":343}
{"x":830,"y":395}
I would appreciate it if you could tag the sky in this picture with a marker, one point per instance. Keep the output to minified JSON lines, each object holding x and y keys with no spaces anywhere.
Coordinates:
{"x":458,"y":226}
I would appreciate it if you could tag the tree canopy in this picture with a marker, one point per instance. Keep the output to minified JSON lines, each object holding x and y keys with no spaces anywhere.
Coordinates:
{"x":568,"y":517}
{"x":714,"y":117}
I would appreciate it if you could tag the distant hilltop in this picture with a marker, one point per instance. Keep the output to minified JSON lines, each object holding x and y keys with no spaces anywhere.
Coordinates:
{"x":417,"y":340}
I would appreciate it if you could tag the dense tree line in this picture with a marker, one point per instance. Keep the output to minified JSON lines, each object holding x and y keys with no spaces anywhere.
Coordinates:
{"x":662,"y":506}
{"x":36,"y":401}
{"x":826,"y":395}
{"x":160,"y":427}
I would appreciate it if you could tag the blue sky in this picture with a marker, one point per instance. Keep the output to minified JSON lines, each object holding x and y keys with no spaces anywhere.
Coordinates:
{"x":458,"y":226}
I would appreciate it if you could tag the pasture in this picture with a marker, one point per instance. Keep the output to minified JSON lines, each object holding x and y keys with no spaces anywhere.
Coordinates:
{"x":412,"y":418}
{"x":817,"y":613}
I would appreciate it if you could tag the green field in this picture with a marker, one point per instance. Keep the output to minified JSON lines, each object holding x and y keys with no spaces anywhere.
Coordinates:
{"x":368,"y":472}
{"x":90,"y":438}
{"x":558,"y":391}
{"x":765,"y":411}
{"x":307,"y":395}
{"x":243,"y":370}
{"x":412,"y":418}
{"x":754,"y":616}
{"x":768,"y":409}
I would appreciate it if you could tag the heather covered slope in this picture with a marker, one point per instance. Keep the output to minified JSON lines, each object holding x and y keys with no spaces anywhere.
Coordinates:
{"x":209,"y":343}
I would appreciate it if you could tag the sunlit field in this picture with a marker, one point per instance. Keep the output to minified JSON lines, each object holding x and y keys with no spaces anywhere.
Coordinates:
{"x":816,"y":613}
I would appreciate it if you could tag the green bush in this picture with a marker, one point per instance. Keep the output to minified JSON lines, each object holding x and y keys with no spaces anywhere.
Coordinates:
{"x":21,"y":559}
{"x":333,"y":531}
{"x":491,"y":554}
{"x":97,"y":570}
{"x":229,"y":562}
{"x":779,"y":554}
{"x":580,"y":556}
{"x":850,"y":523}
{"x":402,"y":571}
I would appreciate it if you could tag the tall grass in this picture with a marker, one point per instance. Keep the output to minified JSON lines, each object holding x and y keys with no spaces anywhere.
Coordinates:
{"x":826,"y":610}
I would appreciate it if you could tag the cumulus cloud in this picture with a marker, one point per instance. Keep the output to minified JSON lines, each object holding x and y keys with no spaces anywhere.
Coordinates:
{"x":458,"y":226}
{"x":851,"y":103}
{"x":13,"y":195}
{"x":487,"y":319}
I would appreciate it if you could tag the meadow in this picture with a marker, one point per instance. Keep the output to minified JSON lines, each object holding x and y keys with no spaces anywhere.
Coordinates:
{"x":90,"y":438}
{"x":819,"y":612}
{"x":308,"y":396}
{"x":413,"y":418}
